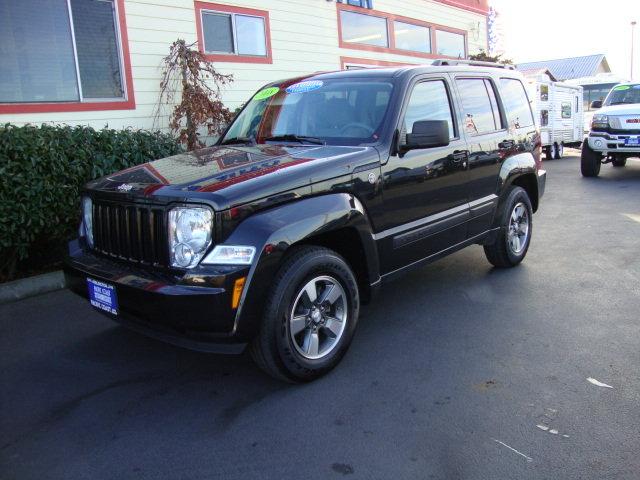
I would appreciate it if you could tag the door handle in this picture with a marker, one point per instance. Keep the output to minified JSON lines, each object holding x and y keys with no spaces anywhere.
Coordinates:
{"x":506,"y":144}
{"x":459,"y":155}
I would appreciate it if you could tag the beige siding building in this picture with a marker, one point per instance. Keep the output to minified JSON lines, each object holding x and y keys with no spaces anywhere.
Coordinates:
{"x":98,"y":62}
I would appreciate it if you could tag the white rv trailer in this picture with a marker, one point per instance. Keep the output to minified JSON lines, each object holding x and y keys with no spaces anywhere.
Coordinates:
{"x":559,"y":110}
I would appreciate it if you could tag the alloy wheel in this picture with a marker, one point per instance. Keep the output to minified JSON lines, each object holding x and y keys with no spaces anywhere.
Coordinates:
{"x":518,"y":232}
{"x":318,"y":317}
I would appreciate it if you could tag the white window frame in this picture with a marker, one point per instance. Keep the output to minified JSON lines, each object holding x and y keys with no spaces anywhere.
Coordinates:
{"x":123,"y":81}
{"x":234,"y":34}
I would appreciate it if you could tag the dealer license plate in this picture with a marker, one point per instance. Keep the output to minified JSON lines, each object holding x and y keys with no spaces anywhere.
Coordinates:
{"x":103,"y":296}
{"x":632,"y":141}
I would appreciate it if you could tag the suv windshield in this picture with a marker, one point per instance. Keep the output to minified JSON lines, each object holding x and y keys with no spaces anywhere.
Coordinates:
{"x":333,"y":112}
{"x":624,"y":94}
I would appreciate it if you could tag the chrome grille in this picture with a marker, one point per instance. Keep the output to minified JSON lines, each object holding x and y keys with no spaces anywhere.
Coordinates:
{"x":136,"y":233}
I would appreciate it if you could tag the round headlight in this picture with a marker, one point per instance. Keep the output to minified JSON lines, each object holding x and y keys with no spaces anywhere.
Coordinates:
{"x":190,"y":230}
{"x":194,"y":228}
{"x":183,"y":255}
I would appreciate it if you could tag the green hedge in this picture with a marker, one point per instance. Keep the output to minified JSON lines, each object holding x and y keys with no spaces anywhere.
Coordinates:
{"x":42,"y":169}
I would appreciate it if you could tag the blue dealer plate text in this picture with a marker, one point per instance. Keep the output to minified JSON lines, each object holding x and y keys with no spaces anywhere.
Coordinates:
{"x":103,"y":296}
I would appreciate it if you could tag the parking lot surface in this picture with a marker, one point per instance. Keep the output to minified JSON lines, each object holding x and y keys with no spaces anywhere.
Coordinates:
{"x":457,"y":371}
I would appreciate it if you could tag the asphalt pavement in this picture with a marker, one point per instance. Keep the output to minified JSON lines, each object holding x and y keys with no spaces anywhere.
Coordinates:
{"x":457,"y":371}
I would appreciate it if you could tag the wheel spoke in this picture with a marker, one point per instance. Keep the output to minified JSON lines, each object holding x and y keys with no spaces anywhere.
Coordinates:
{"x":298,"y":324}
{"x":514,"y":215}
{"x":311,"y":343}
{"x":311,"y":291}
{"x":333,"y":326}
{"x":330,"y":295}
{"x":516,"y":240}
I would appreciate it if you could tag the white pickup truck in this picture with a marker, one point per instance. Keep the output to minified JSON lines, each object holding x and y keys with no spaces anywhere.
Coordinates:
{"x":615,"y":130}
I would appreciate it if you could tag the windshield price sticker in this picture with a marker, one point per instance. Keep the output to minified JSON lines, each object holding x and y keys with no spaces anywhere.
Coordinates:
{"x":304,"y":87}
{"x":622,"y":87}
{"x":266,"y":93}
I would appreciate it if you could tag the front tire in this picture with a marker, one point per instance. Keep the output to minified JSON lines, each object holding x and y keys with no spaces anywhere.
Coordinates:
{"x":514,"y":236}
{"x":590,"y":161}
{"x":310,"y":316}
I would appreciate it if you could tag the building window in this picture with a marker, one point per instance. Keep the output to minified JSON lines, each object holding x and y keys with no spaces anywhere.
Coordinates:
{"x":64,"y":51}
{"x":365,"y":29}
{"x":412,"y":37}
{"x":450,"y":44}
{"x":233,"y":34}
{"x":387,"y":33}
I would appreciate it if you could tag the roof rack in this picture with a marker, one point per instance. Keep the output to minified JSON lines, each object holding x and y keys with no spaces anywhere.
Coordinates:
{"x":475,"y":63}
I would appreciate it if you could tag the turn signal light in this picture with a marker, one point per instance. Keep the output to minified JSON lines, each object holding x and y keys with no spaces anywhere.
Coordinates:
{"x":237,"y":291}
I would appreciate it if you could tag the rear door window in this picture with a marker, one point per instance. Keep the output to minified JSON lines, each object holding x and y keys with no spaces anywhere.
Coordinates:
{"x":429,"y":101}
{"x":516,"y":103}
{"x":480,"y":110}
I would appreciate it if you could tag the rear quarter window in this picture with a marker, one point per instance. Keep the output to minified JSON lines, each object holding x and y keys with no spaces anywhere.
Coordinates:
{"x":516,"y":103}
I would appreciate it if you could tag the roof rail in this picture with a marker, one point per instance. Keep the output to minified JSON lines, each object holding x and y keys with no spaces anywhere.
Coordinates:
{"x":475,"y":63}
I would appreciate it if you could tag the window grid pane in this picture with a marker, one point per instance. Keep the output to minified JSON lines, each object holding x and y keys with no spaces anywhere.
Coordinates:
{"x":217,"y":31}
{"x":450,"y":44}
{"x":33,"y":70}
{"x":250,"y":35}
{"x":412,"y":37}
{"x":366,"y":29}
{"x":97,"y":49}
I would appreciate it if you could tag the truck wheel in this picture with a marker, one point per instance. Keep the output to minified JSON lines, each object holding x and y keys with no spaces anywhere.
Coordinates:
{"x":310,"y":316}
{"x":511,"y":245}
{"x":550,"y":151}
{"x":619,"y":161}
{"x":590,"y":161}
{"x":559,"y":151}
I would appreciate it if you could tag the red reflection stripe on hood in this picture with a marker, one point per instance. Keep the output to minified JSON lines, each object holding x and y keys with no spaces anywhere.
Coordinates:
{"x":249,"y":175}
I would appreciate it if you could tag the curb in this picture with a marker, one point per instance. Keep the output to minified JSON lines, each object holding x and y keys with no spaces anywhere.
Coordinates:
{"x":32,"y":286}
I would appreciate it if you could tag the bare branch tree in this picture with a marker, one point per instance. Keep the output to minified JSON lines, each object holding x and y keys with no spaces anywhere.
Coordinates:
{"x":186,"y":71}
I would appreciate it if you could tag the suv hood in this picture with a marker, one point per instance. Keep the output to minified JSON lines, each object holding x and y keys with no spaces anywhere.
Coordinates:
{"x":233,"y":175}
{"x":622,"y":109}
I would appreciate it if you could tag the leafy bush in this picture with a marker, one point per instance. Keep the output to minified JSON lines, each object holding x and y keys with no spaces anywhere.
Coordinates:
{"x":43,"y":168}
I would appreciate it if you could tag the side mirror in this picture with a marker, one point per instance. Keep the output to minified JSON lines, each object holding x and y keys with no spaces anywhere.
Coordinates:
{"x":427,"y":134}
{"x":596,"y":104}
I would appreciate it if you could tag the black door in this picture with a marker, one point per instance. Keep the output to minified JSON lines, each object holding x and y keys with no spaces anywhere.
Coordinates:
{"x":488,"y":139}
{"x":424,"y":191}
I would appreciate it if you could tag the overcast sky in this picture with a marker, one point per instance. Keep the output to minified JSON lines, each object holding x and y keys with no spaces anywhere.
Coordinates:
{"x":548,"y":29}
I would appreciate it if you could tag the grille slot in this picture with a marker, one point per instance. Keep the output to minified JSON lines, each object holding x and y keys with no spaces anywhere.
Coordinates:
{"x":136,"y":233}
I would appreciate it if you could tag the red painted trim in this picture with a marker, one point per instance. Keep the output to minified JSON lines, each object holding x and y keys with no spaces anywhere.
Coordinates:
{"x":390,"y":17}
{"x":373,"y":63}
{"x":482,"y":8}
{"x":128,"y":104}
{"x":232,"y":58}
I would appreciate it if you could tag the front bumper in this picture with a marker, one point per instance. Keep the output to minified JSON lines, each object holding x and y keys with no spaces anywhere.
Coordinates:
{"x":190,"y":310}
{"x":611,"y":142}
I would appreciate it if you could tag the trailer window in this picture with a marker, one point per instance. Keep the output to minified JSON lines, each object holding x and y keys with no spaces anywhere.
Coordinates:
{"x":544,"y":118}
{"x":566,"y":110}
{"x":544,"y":93}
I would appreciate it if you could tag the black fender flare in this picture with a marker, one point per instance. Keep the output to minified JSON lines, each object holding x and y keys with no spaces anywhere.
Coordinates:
{"x":515,"y":170}
{"x":273,"y":232}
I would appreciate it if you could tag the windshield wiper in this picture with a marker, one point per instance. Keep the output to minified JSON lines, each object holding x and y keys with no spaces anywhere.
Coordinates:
{"x":290,"y":137}
{"x":251,"y":140}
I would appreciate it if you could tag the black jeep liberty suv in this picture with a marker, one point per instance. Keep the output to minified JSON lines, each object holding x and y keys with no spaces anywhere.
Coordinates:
{"x":322,"y":189}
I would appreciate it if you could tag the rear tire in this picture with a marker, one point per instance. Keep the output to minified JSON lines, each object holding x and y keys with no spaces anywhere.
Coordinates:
{"x":619,"y":162}
{"x":559,"y":151}
{"x":590,"y":161}
{"x":516,"y":226}
{"x":550,"y":151}
{"x":302,"y":338}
